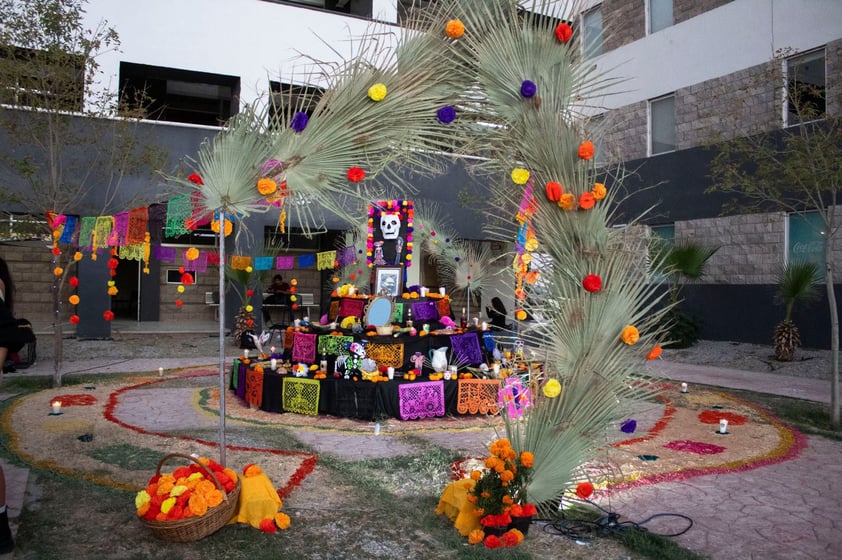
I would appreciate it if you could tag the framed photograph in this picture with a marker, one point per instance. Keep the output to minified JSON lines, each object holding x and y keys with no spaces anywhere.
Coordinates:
{"x":387,"y":280}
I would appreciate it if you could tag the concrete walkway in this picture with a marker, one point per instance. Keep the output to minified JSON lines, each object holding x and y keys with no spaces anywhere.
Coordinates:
{"x":787,"y":510}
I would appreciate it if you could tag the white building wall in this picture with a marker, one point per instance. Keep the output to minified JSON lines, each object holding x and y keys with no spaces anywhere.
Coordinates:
{"x":253,"y":39}
{"x":737,"y":35}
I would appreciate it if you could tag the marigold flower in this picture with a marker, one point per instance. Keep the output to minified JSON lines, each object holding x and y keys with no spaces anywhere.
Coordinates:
{"x":476,"y":475}
{"x":507,"y":476}
{"x":586,"y":201}
{"x":167,"y":505}
{"x":492,"y":542}
{"x":567,"y":201}
{"x":520,"y":176}
{"x":527,"y":459}
{"x":507,"y":499}
{"x":554,"y":190}
{"x":586,"y":150}
{"x":517,"y":534}
{"x":282,"y":520}
{"x":77,"y":256}
{"x":454,"y":29}
{"x":509,"y":539}
{"x":112,"y":291}
{"x":476,"y":536}
{"x":599,"y":191}
{"x":630,"y":335}
{"x":377,"y":92}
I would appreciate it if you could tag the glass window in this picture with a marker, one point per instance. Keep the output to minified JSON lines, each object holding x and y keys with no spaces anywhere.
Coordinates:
{"x":806,"y":239}
{"x":806,"y":87}
{"x":660,"y":15}
{"x":662,"y":125}
{"x":592,"y":32}
{"x":51,"y":80}
{"x":170,"y":94}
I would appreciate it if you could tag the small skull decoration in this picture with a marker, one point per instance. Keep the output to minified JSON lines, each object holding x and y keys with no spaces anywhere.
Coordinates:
{"x":355,"y":359}
{"x":390,"y":225}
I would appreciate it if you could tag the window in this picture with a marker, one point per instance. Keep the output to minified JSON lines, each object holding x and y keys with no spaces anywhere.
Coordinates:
{"x":169,"y":94}
{"x":806,"y":239}
{"x":596,"y":130}
{"x":360,"y":8}
{"x":174,"y":276}
{"x":592,"y":32}
{"x":287,"y":99}
{"x":660,"y":15}
{"x":806,"y":88}
{"x":662,"y":125}
{"x":51,"y":80}
{"x":202,"y":235}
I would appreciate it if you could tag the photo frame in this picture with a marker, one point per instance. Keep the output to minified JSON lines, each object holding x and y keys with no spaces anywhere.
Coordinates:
{"x":388,"y":280}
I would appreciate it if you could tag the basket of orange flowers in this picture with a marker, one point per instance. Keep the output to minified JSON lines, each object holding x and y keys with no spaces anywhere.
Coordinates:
{"x":190,"y":502}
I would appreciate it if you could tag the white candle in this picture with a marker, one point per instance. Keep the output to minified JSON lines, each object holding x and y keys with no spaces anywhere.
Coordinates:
{"x":297,"y":323}
{"x":273,"y":364}
{"x":484,"y":326}
{"x":351,"y":290}
{"x":245,"y":353}
{"x":423,"y":291}
{"x":684,"y":387}
{"x":390,"y":372}
{"x":496,"y":369}
{"x":56,"y":407}
{"x":447,"y":375}
{"x":160,"y":372}
{"x":442,"y":291}
{"x":723,"y":426}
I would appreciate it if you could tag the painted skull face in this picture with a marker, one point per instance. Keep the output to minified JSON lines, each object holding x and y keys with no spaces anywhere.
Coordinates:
{"x":390,"y":225}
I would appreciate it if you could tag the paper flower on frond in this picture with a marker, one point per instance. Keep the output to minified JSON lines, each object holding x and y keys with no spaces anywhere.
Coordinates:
{"x":563,"y":32}
{"x":356,"y":174}
{"x":195,"y":179}
{"x":630,"y":335}
{"x":592,"y":283}
{"x":520,"y":176}
{"x":528,"y":88}
{"x":586,"y":150}
{"x":454,"y":28}
{"x":567,"y":202}
{"x":586,"y":201}
{"x":554,"y":191}
{"x":299,"y":121}
{"x":266,"y":186}
{"x":446,"y":114}
{"x":377,"y":92}
{"x":598,"y":191}
{"x":551,"y":389}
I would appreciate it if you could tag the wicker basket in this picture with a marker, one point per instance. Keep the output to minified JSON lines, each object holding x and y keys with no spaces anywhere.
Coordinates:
{"x":196,"y":528}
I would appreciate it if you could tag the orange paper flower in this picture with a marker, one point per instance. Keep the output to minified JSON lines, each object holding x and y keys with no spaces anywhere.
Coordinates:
{"x":454,"y":29}
{"x":630,"y":335}
{"x":586,"y":150}
{"x":567,"y":201}
{"x":266,"y":186}
{"x":586,"y":201}
{"x":654,"y":353}
{"x":599,"y":191}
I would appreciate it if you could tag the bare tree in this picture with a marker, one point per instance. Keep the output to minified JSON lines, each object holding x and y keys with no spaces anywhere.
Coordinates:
{"x":796,"y":169}
{"x":68,"y":145}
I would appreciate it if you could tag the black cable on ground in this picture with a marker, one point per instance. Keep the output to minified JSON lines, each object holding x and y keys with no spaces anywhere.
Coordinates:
{"x":608,"y":524}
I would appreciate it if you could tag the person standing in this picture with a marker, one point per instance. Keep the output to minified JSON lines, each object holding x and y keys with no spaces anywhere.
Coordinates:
{"x":279,"y":294}
{"x":497,"y":314}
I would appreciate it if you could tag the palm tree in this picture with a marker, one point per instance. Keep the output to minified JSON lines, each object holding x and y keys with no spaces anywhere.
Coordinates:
{"x":797,"y":281}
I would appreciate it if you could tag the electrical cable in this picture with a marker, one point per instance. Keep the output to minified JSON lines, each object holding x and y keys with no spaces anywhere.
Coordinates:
{"x":607,"y":524}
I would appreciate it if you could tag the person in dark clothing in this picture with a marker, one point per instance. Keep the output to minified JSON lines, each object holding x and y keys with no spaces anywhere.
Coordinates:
{"x":279,"y":292}
{"x":497,"y":314}
{"x":8,"y":328}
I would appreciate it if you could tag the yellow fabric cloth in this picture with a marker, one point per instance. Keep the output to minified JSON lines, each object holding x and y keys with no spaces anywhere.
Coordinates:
{"x":454,"y":503}
{"x":258,"y":500}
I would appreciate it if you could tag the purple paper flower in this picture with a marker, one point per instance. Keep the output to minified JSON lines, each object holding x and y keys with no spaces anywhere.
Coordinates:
{"x":528,"y":88}
{"x":299,"y":121}
{"x":446,"y":114}
{"x":629,"y":426}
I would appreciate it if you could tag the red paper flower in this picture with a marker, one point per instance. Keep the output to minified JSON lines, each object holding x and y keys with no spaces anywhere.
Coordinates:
{"x":356,"y":174}
{"x":249,"y":292}
{"x":563,"y":32}
{"x":195,"y":179}
{"x":112,"y":263}
{"x":178,"y":303}
{"x":554,"y":191}
{"x":268,"y":526}
{"x":108,"y":315}
{"x":74,"y":319}
{"x":592,"y":283}
{"x":586,"y":150}
{"x":655,"y":352}
{"x":56,"y":251}
{"x":584,"y":489}
{"x":187,"y":279}
{"x":586,"y":201}
{"x":74,"y":281}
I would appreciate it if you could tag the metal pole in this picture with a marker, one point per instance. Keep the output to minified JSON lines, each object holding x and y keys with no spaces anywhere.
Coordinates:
{"x":222,"y":337}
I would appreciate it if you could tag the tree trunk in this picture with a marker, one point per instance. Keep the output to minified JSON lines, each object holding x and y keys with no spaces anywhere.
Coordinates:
{"x":834,"y":337}
{"x":58,"y":340}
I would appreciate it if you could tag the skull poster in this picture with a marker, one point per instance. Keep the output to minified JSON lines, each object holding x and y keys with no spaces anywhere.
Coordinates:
{"x":390,"y":225}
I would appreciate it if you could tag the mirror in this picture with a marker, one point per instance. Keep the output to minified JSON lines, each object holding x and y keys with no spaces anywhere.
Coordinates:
{"x":380,"y":312}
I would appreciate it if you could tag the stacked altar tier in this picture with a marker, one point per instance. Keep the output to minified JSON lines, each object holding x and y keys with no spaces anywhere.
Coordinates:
{"x":407,"y":400}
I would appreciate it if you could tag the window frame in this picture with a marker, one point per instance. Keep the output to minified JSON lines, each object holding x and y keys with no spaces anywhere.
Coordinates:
{"x":589,"y":45}
{"x":650,"y":144}
{"x":650,"y":12}
{"x":786,"y":102}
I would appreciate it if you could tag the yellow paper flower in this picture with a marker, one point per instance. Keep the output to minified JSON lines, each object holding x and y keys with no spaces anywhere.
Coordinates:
{"x":191,"y":254}
{"x":454,"y":29}
{"x":552,"y":389}
{"x":77,"y":256}
{"x":249,"y":269}
{"x":520,"y":315}
{"x":520,"y":176}
{"x":180,"y":289}
{"x":74,"y":299}
{"x":630,"y":335}
{"x":598,"y":191}
{"x":377,"y":92}
{"x":249,"y":309}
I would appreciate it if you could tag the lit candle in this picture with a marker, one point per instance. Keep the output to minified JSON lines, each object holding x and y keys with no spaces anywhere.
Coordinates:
{"x":442,"y":291}
{"x":684,"y":387}
{"x":160,"y":372}
{"x":273,"y":364}
{"x":351,"y":290}
{"x":390,"y":372}
{"x":56,"y":407}
{"x":484,"y":326}
{"x":723,"y":426}
{"x":246,"y":353}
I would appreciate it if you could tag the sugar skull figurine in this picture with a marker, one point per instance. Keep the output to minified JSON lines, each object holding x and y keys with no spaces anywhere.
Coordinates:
{"x":353,"y":362}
